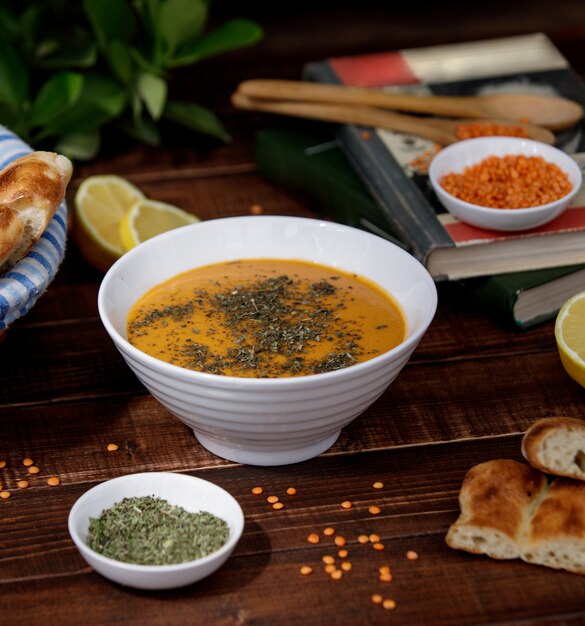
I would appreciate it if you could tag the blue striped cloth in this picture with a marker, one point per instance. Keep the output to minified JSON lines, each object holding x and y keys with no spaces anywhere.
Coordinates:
{"x":22,"y":286}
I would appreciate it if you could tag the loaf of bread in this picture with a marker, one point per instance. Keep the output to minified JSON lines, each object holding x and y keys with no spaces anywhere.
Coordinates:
{"x":556,"y":445}
{"x":509,"y":510}
{"x":31,"y":189}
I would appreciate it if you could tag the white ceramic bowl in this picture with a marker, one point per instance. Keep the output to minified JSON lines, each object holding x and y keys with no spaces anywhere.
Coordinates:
{"x":458,"y":156}
{"x":23,"y":285}
{"x":267,"y":421}
{"x":193,"y":494}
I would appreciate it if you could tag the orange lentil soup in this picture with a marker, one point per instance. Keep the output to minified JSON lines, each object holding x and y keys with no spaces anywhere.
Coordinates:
{"x":265,"y":318}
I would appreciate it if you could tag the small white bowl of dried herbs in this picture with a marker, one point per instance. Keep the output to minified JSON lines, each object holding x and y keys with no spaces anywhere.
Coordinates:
{"x":156,"y":530}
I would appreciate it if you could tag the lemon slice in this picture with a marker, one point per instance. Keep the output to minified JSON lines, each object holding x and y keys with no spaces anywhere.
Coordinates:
{"x":570,"y":337}
{"x":100,"y":203}
{"x":147,"y":218}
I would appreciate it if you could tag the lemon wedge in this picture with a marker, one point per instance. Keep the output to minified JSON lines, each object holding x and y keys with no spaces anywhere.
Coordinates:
{"x":147,"y":218}
{"x":570,"y":337}
{"x":100,"y":204}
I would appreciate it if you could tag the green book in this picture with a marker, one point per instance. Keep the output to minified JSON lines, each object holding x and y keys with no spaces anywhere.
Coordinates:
{"x":315,"y":164}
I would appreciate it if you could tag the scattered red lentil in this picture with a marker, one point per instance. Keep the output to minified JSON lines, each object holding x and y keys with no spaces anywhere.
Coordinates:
{"x":411,"y":555}
{"x":277,"y":506}
{"x":53,"y":481}
{"x":256,"y":209}
{"x":22,"y":484}
{"x":33,"y":469}
{"x":272,"y":499}
{"x":366,"y":135}
{"x":513,"y":181}
{"x":385,"y":577}
{"x":329,"y":531}
{"x":337,"y":574}
{"x":313,"y":538}
{"x":378,"y":485}
{"x":257,"y":491}
{"x":388,"y":603}
{"x":378,"y":546}
{"x":374,"y":538}
{"x":291,"y":491}
{"x":346,"y":566}
{"x":376,"y":598}
{"x":112,"y":447}
{"x":339,"y":541}
{"x":27,"y":462}
{"x":346,"y":504}
{"x":4,"y":494}
{"x":328,"y":559}
{"x":2,"y":464}
{"x":342,"y":554}
{"x":422,"y":162}
{"x":488,"y":129}
{"x":384,"y":569}
{"x":330,"y":568}
{"x":374,"y":510}
{"x":363,"y":539}
{"x":305,"y":570}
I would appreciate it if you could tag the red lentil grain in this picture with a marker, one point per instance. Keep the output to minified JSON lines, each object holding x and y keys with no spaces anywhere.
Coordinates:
{"x":346,"y":566}
{"x":378,"y":546}
{"x":376,"y":598}
{"x":329,"y":531}
{"x":2,"y":464}
{"x":257,"y":491}
{"x":27,"y":462}
{"x":277,"y":506}
{"x":411,"y":555}
{"x":305,"y":570}
{"x":22,"y":484}
{"x":313,"y":538}
{"x":337,"y":574}
{"x":112,"y":447}
{"x":374,"y":538}
{"x":256,"y":209}
{"x":272,"y":499}
{"x":33,"y":469}
{"x":346,"y":504}
{"x":330,"y":568}
{"x":342,"y":554}
{"x":374,"y":510}
{"x":328,"y":559}
{"x":363,"y":539}
{"x":339,"y":541}
{"x":291,"y":491}
{"x":513,"y":181}
{"x":389,"y":604}
{"x":4,"y":495}
{"x":378,"y":485}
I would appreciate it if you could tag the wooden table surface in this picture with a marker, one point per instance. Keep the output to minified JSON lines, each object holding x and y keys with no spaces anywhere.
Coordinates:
{"x":469,"y":392}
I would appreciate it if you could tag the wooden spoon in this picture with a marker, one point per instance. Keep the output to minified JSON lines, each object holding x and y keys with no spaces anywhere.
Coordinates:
{"x":549,"y":111}
{"x":441,"y":131}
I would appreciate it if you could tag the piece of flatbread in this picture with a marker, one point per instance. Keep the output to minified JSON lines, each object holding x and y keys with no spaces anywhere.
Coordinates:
{"x":509,"y":510}
{"x":556,"y":445}
{"x":31,"y":189}
{"x":496,"y":501}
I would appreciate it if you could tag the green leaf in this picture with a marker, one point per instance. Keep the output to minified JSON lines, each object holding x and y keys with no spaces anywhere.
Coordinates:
{"x":231,"y":35}
{"x":8,"y":23}
{"x":153,"y":91}
{"x":141,"y":128}
{"x":180,"y":21}
{"x":144,"y":64}
{"x":77,"y":50}
{"x":80,"y":146}
{"x":13,"y":76}
{"x":110,"y":19}
{"x":196,"y":118}
{"x":55,"y":96}
{"x":120,"y":61}
{"x":101,"y":100}
{"x":30,"y":21}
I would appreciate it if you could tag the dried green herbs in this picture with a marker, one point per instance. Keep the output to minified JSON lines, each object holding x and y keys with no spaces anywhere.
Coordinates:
{"x":150,"y":531}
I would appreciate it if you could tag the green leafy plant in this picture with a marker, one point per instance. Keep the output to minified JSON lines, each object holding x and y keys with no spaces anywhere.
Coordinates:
{"x":68,"y":69}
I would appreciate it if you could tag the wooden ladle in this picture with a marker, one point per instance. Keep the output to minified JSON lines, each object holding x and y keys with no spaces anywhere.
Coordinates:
{"x":441,"y":131}
{"x":550,"y":112}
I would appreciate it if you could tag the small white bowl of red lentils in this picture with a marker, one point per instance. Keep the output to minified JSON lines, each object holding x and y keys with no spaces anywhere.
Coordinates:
{"x":504,"y":183}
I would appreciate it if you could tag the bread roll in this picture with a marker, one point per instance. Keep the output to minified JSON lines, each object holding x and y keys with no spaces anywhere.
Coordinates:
{"x":556,"y":445}
{"x":496,"y":500}
{"x":31,"y":188}
{"x":11,"y":232}
{"x":556,"y":535}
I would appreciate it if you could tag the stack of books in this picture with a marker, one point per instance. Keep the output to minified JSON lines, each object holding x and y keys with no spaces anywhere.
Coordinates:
{"x":377,"y":179}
